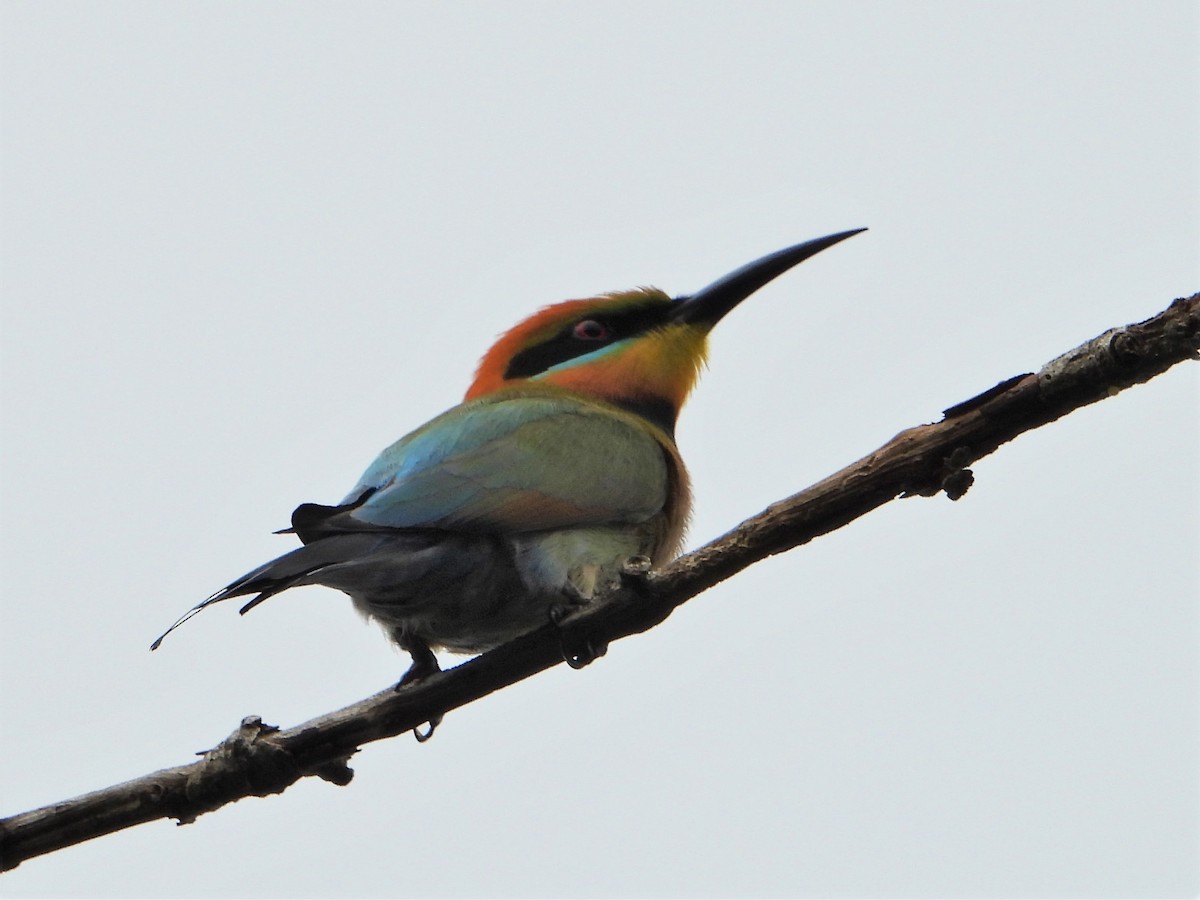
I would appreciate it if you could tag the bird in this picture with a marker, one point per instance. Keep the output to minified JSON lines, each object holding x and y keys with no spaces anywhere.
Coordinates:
{"x":533,"y":494}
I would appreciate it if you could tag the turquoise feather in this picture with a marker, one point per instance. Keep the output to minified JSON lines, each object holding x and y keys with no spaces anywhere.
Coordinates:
{"x":518,"y":461}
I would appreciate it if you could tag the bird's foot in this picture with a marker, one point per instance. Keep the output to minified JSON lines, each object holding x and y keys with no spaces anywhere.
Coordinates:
{"x":589,"y":651}
{"x":424,"y":664}
{"x":423,"y":736}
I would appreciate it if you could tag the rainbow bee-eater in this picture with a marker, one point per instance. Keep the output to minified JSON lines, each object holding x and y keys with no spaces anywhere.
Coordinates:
{"x":558,"y":468}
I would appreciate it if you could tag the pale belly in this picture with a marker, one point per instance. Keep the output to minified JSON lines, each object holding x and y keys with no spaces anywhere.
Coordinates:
{"x":472,"y":593}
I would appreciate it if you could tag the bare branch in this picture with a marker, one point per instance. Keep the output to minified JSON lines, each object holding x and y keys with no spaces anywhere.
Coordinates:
{"x":257,"y":759}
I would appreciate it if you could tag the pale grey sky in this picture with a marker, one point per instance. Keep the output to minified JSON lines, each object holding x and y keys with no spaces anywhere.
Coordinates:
{"x":245,"y":246}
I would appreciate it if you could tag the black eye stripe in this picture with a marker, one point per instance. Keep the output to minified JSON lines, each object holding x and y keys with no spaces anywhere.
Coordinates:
{"x":565,"y":345}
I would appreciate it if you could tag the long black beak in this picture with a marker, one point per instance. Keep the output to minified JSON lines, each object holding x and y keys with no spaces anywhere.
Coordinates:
{"x":709,"y":306}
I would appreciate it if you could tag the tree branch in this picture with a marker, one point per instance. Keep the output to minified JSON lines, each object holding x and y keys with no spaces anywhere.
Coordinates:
{"x":258,"y":759}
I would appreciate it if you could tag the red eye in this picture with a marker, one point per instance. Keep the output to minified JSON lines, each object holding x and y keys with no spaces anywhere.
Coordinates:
{"x":590,"y":330}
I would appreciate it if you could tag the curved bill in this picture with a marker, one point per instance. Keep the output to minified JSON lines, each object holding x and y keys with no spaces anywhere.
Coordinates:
{"x":709,"y":305}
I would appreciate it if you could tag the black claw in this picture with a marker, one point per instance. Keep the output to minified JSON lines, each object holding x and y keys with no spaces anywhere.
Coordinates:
{"x":635,"y":568}
{"x":585,"y":657}
{"x":558,"y":612}
{"x":576,"y":659}
{"x":423,"y":737}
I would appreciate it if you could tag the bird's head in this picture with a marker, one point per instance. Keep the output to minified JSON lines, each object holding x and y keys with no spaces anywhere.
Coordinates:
{"x":639,"y":349}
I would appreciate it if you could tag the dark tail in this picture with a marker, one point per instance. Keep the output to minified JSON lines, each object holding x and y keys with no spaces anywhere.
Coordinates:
{"x":301,"y":566}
